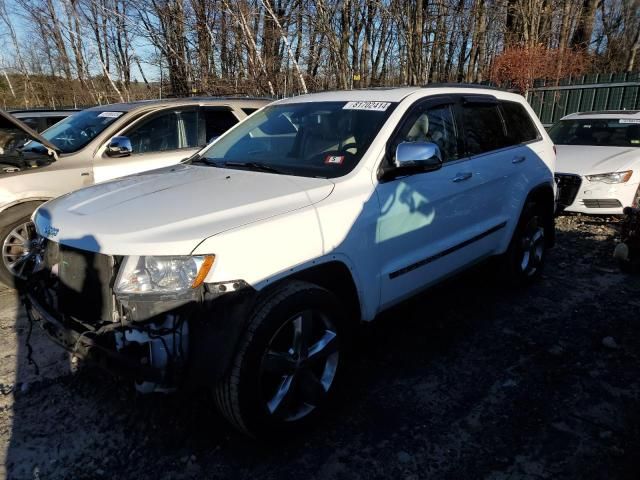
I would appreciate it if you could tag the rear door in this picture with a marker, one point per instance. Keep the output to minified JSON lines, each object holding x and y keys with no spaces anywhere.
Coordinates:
{"x":496,"y":134}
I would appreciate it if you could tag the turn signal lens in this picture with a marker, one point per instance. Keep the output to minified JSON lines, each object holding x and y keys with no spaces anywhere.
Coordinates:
{"x":206,"y":265}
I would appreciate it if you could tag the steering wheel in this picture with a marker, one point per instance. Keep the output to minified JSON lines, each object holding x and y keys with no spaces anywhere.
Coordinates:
{"x":347,"y":146}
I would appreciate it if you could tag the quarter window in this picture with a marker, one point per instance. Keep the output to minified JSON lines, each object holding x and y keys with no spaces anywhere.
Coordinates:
{"x":520,"y":127}
{"x":483,"y":128}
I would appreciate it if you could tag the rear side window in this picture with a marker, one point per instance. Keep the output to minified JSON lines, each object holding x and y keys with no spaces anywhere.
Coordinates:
{"x":483,"y":127}
{"x":520,"y":127}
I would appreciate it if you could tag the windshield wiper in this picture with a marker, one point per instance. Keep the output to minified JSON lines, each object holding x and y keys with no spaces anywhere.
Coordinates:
{"x":262,"y":167}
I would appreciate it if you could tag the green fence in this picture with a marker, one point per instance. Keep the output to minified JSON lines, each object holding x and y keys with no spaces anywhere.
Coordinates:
{"x":586,"y":93}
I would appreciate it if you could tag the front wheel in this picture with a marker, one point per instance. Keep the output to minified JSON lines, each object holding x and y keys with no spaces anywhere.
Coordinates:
{"x":524,"y":260}
{"x":288,"y":364}
{"x":16,"y":240}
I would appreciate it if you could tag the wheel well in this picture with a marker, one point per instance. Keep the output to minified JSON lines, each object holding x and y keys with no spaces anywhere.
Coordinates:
{"x":544,"y":197}
{"x":16,"y":212}
{"x":335,"y":277}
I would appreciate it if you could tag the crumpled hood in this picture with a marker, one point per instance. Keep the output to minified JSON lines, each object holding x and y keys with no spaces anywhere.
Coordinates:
{"x":587,"y":160}
{"x":171,"y":210}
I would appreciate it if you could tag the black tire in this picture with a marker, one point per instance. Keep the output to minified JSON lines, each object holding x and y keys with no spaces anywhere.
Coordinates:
{"x":244,"y":396}
{"x":517,"y":271}
{"x":11,"y":219}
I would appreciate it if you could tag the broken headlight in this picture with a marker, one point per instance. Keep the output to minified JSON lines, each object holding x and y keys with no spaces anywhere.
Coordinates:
{"x":613,"y":177}
{"x":162,"y":274}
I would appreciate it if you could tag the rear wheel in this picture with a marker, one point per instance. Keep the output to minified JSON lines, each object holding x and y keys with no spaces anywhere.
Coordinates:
{"x":289,"y":362}
{"x":524,"y":260}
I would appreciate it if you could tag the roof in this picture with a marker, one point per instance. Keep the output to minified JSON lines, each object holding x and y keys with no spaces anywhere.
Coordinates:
{"x":631,"y":114}
{"x":395,"y":94}
{"x":210,"y":101}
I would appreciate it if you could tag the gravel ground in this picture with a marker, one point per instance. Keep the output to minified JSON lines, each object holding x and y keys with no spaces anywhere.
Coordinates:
{"x":471,"y":380}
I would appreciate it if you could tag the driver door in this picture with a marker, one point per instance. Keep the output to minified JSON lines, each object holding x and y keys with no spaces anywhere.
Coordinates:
{"x":426,"y":219}
{"x":158,"y":140}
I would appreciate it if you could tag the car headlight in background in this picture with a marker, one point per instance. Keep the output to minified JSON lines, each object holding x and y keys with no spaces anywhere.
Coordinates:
{"x":613,"y":177}
{"x":162,"y":274}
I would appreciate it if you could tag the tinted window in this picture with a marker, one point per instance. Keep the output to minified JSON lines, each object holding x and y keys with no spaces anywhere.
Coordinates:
{"x":31,"y":122}
{"x":156,"y":134}
{"x":217,"y":122}
{"x":50,"y":121}
{"x":435,"y":125}
{"x":483,"y":128}
{"x":248,"y":111}
{"x":520,"y":127}
{"x":597,"y":132}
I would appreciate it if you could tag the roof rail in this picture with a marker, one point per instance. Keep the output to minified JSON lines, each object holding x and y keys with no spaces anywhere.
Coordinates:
{"x":463,"y":85}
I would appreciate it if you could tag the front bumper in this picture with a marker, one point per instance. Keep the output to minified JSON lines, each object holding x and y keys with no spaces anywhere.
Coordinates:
{"x":602,"y":198}
{"x":96,"y":347}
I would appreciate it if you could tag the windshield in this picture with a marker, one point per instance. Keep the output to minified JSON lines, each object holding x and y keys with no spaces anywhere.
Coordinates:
{"x":76,"y":131}
{"x":320,"y":139}
{"x":606,"y":132}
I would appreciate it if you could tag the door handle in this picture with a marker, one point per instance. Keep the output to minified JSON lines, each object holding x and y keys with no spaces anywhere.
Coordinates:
{"x":519,"y":159}
{"x":461,"y":177}
{"x":85,"y":174}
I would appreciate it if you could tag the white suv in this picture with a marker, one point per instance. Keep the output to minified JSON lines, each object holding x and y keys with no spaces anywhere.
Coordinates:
{"x":245,"y":268}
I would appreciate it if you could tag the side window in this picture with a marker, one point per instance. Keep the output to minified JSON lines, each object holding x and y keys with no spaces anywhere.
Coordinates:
{"x":436,"y":125}
{"x":217,"y":121}
{"x":156,"y":134}
{"x":248,"y":111}
{"x":483,"y":128}
{"x":50,"y":121}
{"x":32,"y":123}
{"x":520,"y":127}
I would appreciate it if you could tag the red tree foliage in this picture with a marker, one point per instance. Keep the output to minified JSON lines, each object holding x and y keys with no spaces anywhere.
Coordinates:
{"x":518,"y":66}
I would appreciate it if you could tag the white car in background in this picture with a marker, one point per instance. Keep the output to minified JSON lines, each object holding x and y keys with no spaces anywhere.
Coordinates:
{"x":598,"y":164}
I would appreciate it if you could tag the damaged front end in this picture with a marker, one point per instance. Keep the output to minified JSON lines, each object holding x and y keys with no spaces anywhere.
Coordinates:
{"x":70,"y":294}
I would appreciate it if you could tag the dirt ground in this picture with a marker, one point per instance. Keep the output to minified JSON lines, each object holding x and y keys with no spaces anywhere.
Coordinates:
{"x":471,"y":380}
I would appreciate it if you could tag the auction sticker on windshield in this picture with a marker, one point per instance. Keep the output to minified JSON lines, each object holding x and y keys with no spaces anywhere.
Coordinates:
{"x":374,"y":106}
{"x":110,"y":114}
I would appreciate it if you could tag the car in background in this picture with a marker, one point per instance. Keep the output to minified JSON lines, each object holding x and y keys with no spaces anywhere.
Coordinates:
{"x":98,"y":144}
{"x":598,"y":165}
{"x":39,"y":120}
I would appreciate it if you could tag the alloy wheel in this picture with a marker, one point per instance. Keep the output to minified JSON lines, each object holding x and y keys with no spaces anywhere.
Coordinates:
{"x":299,"y":365}
{"x":532,"y":247}
{"x":16,"y":248}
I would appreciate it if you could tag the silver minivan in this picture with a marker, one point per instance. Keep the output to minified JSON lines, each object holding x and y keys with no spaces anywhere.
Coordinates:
{"x":94,"y":145}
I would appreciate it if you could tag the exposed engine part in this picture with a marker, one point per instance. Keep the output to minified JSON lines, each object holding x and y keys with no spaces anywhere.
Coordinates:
{"x":162,"y":346}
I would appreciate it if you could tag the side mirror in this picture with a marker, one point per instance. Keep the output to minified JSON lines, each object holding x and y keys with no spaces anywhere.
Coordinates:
{"x":119,"y":147}
{"x":418,"y":156}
